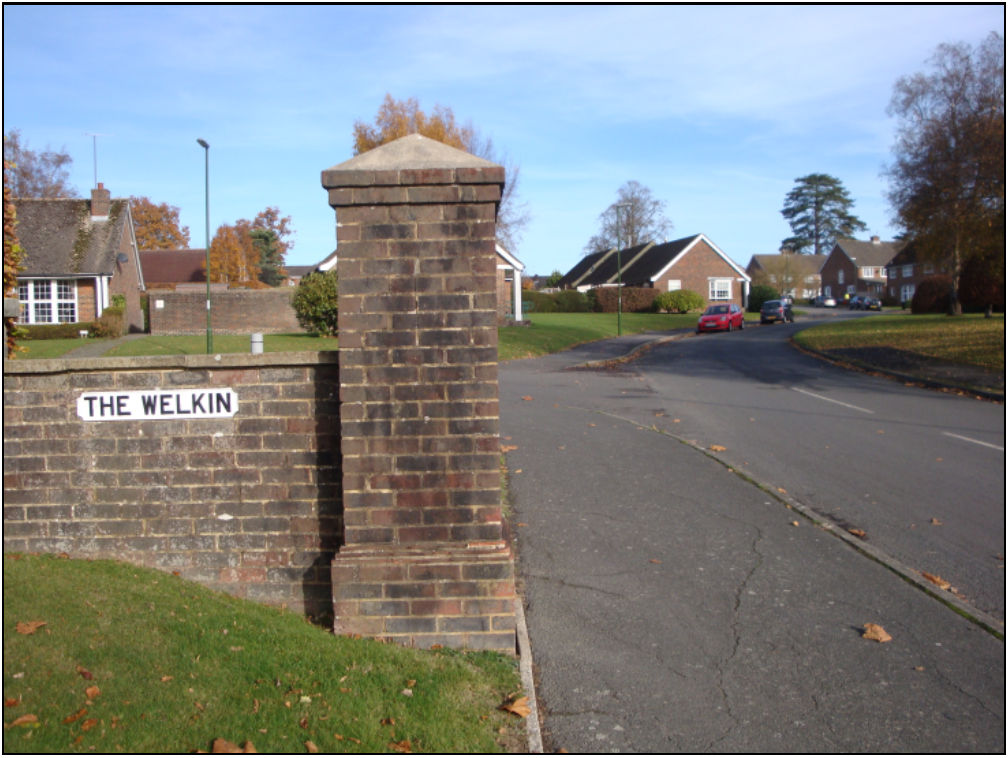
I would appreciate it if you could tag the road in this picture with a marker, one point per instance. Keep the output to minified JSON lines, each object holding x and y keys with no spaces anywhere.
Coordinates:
{"x":675,"y":605}
{"x":922,"y":473}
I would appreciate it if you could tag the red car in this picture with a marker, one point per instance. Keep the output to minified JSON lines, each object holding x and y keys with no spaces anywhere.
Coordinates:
{"x":721,"y":317}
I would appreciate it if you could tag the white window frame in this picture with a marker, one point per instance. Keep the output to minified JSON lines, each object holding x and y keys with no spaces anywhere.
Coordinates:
{"x":48,"y":301}
{"x":674,"y":285}
{"x":907,"y":271}
{"x":907,"y":292}
{"x":840,"y":276}
{"x":719,"y":290}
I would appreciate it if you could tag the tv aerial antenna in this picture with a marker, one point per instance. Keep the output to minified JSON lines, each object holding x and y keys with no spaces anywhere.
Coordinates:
{"x":94,"y":143}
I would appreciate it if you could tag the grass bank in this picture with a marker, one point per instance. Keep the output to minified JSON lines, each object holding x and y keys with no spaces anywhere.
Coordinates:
{"x":552,"y":332}
{"x":100,"y":656}
{"x":970,"y":340}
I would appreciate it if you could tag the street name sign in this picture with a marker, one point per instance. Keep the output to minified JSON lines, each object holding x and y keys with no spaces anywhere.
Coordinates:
{"x":143,"y":405}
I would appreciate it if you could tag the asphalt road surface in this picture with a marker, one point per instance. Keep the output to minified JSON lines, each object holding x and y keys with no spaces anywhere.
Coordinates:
{"x":676,"y":605}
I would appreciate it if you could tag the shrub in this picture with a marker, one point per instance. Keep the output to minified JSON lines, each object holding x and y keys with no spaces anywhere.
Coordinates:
{"x":679,"y":301}
{"x":635,"y":299}
{"x":53,"y":331}
{"x":316,"y":303}
{"x":541,"y":302}
{"x":111,"y":323}
{"x":980,"y":286}
{"x":571,"y":301}
{"x":933,"y":295}
{"x":758,"y":295}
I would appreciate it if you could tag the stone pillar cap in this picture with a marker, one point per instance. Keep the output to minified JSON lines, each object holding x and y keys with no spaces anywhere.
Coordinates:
{"x":410,"y":154}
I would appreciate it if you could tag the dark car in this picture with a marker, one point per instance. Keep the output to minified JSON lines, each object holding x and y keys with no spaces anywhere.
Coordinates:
{"x":856,"y":303}
{"x":872,"y":304}
{"x":776,"y":310}
{"x":721,"y":317}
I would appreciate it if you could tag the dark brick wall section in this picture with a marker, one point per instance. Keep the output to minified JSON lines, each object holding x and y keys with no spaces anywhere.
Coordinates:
{"x":231,"y":312}
{"x":249,"y":505}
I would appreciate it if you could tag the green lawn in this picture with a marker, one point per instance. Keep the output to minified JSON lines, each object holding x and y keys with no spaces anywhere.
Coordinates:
{"x":552,"y":332}
{"x":222,"y":343}
{"x":39,"y":349}
{"x":968,"y":339}
{"x":175,"y":666}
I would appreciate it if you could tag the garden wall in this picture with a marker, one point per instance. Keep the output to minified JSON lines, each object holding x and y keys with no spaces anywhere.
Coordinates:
{"x":248,"y":502}
{"x":232,"y":311}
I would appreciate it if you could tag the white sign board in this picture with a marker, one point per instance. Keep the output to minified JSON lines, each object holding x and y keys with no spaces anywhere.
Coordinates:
{"x":141,"y":405}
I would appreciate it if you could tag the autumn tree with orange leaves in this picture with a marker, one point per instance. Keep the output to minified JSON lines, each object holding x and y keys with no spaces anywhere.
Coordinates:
{"x":399,"y":118}
{"x":251,"y":253}
{"x":157,"y":225}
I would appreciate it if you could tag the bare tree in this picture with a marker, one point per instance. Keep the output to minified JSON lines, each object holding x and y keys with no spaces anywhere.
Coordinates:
{"x":637,"y":216}
{"x":947,"y":180}
{"x":32,"y":174}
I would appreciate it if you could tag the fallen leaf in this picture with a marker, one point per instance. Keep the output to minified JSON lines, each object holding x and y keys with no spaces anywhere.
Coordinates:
{"x":794,"y":523}
{"x":303,"y":723}
{"x":858,"y":533}
{"x":782,"y":490}
{"x":508,"y":448}
{"x":29,"y":627}
{"x":402,"y":746}
{"x":88,"y":724}
{"x":311,"y":746}
{"x":876,"y":632}
{"x":407,"y":692}
{"x":28,"y":718}
{"x":718,"y":448}
{"x":167,"y":678}
{"x":410,"y":682}
{"x":223,"y":746}
{"x":85,"y":673}
{"x":526,"y":398}
{"x":92,"y":692}
{"x":519,"y":707}
{"x":75,"y":716}
{"x":936,"y":580}
{"x":388,"y":722}
{"x":255,"y":705}
{"x":338,"y":736}
{"x":654,"y":560}
{"x":10,"y":702}
{"x":935,"y":522}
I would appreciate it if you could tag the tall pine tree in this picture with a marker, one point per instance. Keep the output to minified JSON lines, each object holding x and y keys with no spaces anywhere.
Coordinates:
{"x":818,"y":209}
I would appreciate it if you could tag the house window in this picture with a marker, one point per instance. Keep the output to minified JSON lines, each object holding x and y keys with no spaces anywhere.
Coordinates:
{"x":48,"y":301}
{"x":928,"y":268}
{"x":719,"y":289}
{"x":908,"y":271}
{"x":674,"y":284}
{"x":840,"y":277}
{"x":906,"y":293}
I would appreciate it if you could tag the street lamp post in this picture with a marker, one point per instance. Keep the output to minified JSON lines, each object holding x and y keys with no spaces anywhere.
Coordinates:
{"x":206,"y":194}
{"x":619,"y":270}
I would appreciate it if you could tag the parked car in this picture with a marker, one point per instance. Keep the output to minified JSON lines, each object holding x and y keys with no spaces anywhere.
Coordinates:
{"x":856,"y":303}
{"x":822,"y":301}
{"x":776,"y":310}
{"x":872,"y":304}
{"x":721,"y":317}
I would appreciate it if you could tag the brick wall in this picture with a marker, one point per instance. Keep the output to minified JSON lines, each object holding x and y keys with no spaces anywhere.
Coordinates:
{"x":232,"y":312}
{"x":248,"y":504}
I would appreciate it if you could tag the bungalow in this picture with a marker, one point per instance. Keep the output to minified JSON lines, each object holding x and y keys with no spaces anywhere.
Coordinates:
{"x":78,"y":254}
{"x":168,"y":269}
{"x":693,"y":263}
{"x":854,"y":267}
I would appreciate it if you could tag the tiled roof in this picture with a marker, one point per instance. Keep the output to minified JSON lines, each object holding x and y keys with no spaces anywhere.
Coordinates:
{"x":870,"y":253}
{"x":60,"y":238}
{"x":582,"y":267}
{"x":173,"y":266}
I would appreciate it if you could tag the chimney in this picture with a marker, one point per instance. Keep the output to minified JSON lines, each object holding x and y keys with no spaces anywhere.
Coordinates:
{"x":101,"y":203}
{"x":875,"y":239}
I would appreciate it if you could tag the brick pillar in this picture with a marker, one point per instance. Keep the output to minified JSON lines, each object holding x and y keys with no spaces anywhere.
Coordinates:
{"x":424,"y":560}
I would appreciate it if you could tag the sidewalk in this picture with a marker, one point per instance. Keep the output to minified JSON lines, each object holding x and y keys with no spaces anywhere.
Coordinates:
{"x":674,"y":606}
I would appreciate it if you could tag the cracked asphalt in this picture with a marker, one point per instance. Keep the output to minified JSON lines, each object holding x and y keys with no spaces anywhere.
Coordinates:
{"x":674,"y":606}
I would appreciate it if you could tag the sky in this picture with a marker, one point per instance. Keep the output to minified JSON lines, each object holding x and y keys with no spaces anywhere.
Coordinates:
{"x":716,"y":109}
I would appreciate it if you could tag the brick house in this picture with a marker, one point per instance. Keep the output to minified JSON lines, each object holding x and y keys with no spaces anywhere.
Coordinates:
{"x":854,"y":267}
{"x":790,"y":274}
{"x":905,"y":272}
{"x":78,"y":254}
{"x":691,"y":263}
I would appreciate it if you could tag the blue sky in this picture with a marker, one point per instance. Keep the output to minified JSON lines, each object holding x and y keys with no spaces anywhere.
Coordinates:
{"x":716,"y":109}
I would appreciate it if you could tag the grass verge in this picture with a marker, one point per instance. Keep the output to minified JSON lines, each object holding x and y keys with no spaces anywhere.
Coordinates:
{"x":552,"y":332}
{"x":969,"y":339}
{"x":135,"y":660}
